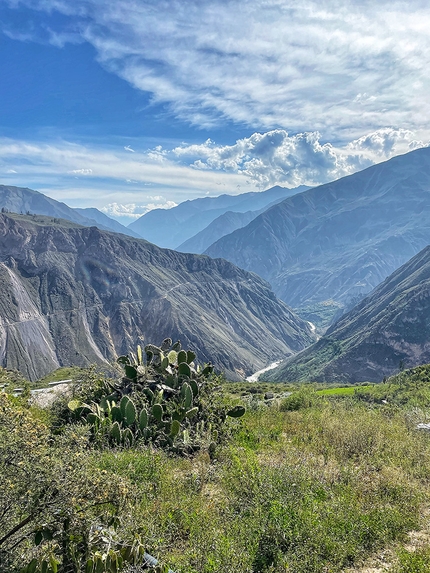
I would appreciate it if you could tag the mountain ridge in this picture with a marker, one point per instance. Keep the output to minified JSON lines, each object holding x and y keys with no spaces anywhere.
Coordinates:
{"x":170,"y":228}
{"x":108,"y":224}
{"x":339,"y":240}
{"x":388,"y":330}
{"x":25,"y":200}
{"x":77,"y":295}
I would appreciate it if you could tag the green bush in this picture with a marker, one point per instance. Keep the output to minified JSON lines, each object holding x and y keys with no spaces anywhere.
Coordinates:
{"x":52,"y":494}
{"x":305,"y":397}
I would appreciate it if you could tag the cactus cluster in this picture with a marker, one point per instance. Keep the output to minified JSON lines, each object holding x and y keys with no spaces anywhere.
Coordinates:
{"x":158,"y":400}
{"x":113,"y":559}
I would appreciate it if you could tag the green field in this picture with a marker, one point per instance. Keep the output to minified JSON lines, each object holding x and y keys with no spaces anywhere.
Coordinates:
{"x":348,"y":391}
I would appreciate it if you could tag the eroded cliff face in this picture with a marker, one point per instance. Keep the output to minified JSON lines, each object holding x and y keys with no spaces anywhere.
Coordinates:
{"x":74,"y":295}
{"x":389,"y":328}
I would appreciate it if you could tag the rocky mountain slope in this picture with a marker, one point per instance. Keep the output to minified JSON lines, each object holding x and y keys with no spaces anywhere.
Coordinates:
{"x":222,"y":225}
{"x":78,"y":295}
{"x":389,"y":329}
{"x":104,"y":222}
{"x":226,"y":224}
{"x":339,"y":240}
{"x":172,"y":227}
{"x":23,"y":200}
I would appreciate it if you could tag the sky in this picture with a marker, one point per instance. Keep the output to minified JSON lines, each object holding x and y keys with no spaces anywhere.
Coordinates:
{"x":130,"y":105}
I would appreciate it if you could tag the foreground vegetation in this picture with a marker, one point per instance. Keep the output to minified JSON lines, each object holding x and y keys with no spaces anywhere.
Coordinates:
{"x":302,"y":483}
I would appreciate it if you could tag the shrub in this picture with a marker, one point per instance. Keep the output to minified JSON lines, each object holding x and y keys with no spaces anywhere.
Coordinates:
{"x":304,"y":398}
{"x":52,"y":494}
{"x":164,"y":399}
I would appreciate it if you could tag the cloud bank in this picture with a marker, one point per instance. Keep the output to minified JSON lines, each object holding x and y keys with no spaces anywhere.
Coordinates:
{"x":274,"y":157}
{"x":134,"y":211}
{"x":340,"y":68}
{"x":125,"y":185}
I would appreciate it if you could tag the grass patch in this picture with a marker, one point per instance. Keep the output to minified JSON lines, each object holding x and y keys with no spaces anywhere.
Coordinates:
{"x":341,"y":391}
{"x":64,"y":373}
{"x":413,"y":561}
{"x":306,"y":491}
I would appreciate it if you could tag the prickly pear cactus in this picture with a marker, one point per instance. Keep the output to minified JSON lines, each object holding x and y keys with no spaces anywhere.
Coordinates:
{"x":164,"y":398}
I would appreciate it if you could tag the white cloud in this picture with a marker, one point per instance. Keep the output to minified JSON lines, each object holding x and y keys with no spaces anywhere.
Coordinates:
{"x":383,"y":142}
{"x":128,"y":148}
{"x":275,"y":157}
{"x":364,"y":98}
{"x":119,"y":182}
{"x":81,"y":171}
{"x":134,"y":211}
{"x":336,"y":67}
{"x":11,"y":171}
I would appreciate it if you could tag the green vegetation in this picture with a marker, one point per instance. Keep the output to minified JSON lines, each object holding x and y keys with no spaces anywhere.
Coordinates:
{"x":307,"y":483}
{"x":340,"y":391}
{"x":163,"y":399}
{"x":410,"y":387}
{"x":321,"y":314}
{"x":412,"y":561}
{"x":64,"y":373}
{"x":10,"y":379}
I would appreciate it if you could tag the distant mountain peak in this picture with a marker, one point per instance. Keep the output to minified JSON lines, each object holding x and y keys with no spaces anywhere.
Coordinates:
{"x":172,"y":227}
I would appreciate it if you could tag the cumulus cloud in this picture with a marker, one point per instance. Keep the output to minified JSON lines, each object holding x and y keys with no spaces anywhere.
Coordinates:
{"x":384,"y":142}
{"x":133,"y":210}
{"x":336,"y":67}
{"x":275,"y":157}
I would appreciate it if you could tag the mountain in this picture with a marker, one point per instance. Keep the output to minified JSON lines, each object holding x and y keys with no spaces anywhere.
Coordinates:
{"x":101,"y":220}
{"x":338,"y":241}
{"x":78,"y":295}
{"x":172,"y":227}
{"x":222,"y":225}
{"x":388,"y":329}
{"x":24,"y":200}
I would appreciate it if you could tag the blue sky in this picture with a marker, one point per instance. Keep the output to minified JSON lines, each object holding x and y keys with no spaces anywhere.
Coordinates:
{"x":130,"y":105}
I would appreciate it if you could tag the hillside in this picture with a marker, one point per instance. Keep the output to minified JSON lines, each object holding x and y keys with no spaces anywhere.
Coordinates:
{"x":338,"y":241}
{"x":222,"y":225}
{"x":77,"y":295}
{"x":24,"y":200}
{"x":104,"y":222}
{"x":172,"y":227}
{"x":388,"y":330}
